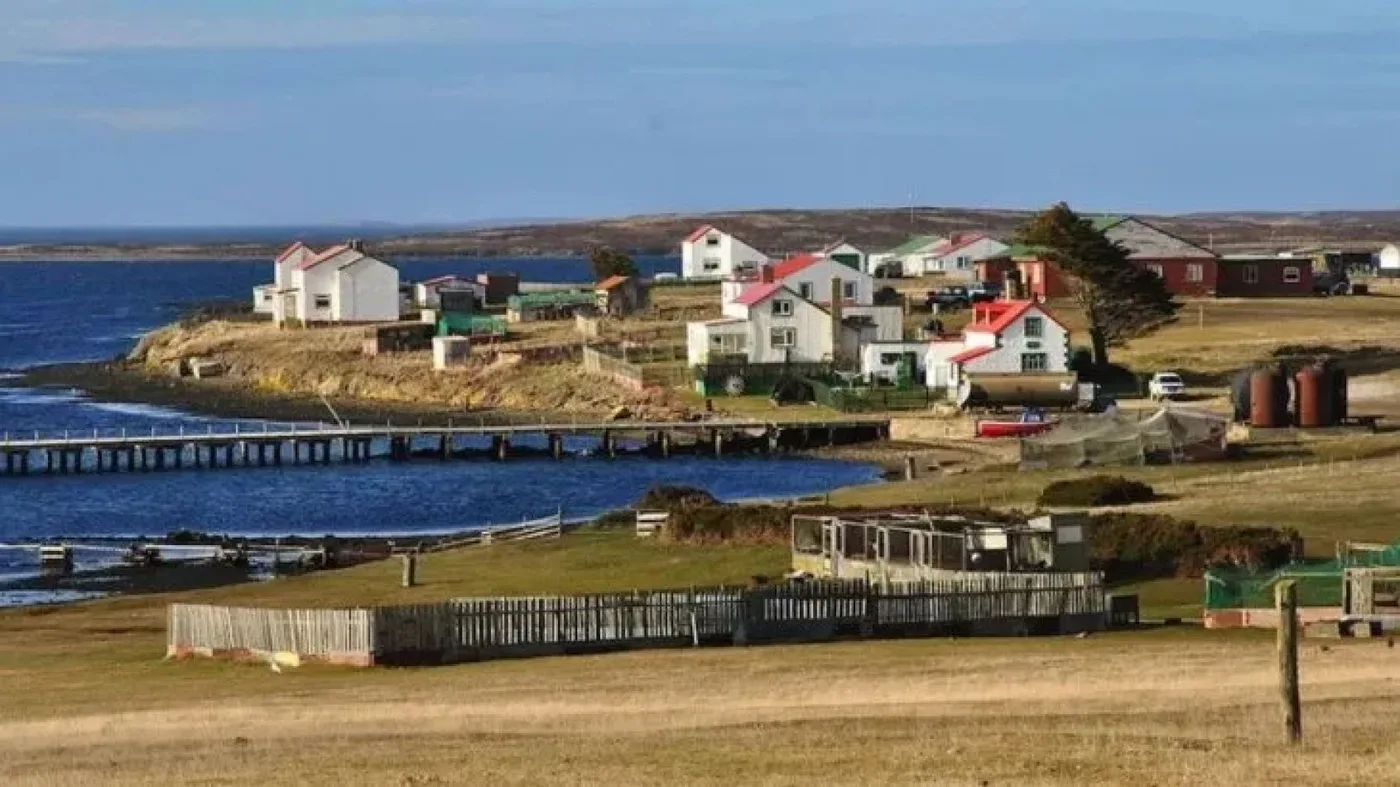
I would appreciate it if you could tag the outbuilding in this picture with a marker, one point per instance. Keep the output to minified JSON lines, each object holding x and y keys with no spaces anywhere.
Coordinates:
{"x":1263,"y":276}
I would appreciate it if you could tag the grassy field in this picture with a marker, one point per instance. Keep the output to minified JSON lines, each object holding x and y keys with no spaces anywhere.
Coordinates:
{"x":88,"y":700}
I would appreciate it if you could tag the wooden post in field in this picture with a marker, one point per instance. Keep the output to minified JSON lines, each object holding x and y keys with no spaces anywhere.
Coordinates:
{"x":1286,"y":602}
{"x":410,"y":570}
{"x":909,"y":468}
{"x":1201,"y":315}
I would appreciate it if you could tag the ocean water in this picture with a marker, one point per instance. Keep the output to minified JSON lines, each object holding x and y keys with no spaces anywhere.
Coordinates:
{"x":59,"y":312}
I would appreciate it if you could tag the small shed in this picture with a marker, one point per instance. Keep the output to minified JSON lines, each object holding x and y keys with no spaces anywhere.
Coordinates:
{"x":428,"y":294}
{"x":620,"y":296}
{"x":498,"y":288}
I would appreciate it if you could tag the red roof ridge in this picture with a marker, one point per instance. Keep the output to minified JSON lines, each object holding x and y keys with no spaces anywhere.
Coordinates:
{"x":699,"y":233}
{"x":290,"y":250}
{"x":323,"y":256}
{"x":757,"y":293}
{"x":612,"y":281}
{"x":971,"y":354}
{"x":959,"y":240}
{"x":793,"y":265}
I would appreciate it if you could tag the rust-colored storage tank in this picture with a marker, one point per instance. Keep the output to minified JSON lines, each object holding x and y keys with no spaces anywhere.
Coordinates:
{"x":1314,"y":396}
{"x":1268,"y":398}
{"x":1339,"y":396}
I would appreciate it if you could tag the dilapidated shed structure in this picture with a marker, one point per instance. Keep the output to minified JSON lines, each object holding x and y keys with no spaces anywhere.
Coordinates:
{"x":914,"y":547}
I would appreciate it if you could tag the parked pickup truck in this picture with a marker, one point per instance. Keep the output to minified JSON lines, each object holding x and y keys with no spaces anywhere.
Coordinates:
{"x":1165,"y":385}
{"x":984,"y":291}
{"x":948,"y":298}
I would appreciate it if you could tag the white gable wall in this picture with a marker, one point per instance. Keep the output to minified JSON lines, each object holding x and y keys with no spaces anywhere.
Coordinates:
{"x":702,"y":259}
{"x":811,"y":324}
{"x":960,"y":263}
{"x":880,"y":360}
{"x":367,"y":290}
{"x":818,"y":277}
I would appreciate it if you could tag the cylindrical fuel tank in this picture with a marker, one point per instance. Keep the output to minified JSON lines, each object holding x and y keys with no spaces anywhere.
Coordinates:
{"x":1268,"y":398}
{"x":1239,"y":395}
{"x":1019,"y":390}
{"x":1314,"y":400}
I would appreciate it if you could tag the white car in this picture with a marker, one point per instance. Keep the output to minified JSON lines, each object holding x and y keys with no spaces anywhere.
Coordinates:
{"x":1165,"y":385}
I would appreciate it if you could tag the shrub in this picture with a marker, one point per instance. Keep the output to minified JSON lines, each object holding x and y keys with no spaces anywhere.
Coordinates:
{"x":1146,"y":546}
{"x":667,"y":497}
{"x":1098,"y":490}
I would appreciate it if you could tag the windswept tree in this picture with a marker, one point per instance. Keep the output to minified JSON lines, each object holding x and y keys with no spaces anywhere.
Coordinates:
{"x":1121,"y":300}
{"x":607,"y":261}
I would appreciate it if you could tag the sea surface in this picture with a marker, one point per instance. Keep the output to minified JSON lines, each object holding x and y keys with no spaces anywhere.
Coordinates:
{"x":54,"y":312}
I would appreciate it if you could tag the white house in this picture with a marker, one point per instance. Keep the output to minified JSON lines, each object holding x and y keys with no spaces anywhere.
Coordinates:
{"x":427,"y":294}
{"x":777,"y":325}
{"x":910,"y":255}
{"x":881,"y":360}
{"x":709,"y":253}
{"x":955,"y":258}
{"x":846,"y":253}
{"x":338,"y":285}
{"x":1003,"y":337}
{"x":811,"y":277}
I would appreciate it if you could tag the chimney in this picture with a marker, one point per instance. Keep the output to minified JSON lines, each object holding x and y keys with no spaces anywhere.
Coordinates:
{"x":1011,"y":287}
{"x":355,"y":244}
{"x":765,"y":273}
{"x":837,"y":308}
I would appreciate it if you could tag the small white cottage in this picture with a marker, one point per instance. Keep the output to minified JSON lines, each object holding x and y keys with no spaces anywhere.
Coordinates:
{"x":1004,"y":337}
{"x":709,"y":253}
{"x":339,"y":285}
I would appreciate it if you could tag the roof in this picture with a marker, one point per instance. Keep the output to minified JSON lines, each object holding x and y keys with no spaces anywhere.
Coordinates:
{"x":1003,"y":314}
{"x":914,"y":243}
{"x":1151,"y":242}
{"x":1020,"y":250}
{"x":613,"y":281}
{"x":446,"y":279}
{"x":290,"y":250}
{"x":792,"y":265}
{"x":958,"y":241}
{"x":1106,"y":223}
{"x":970,"y":355}
{"x":699,"y":233}
{"x":315,"y":260}
{"x":758,"y":293}
{"x":830,"y":247}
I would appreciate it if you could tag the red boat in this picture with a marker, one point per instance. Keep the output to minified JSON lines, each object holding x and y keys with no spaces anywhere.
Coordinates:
{"x":1031,"y":422}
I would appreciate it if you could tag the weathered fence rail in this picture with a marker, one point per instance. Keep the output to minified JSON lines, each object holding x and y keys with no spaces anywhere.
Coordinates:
{"x":472,"y":629}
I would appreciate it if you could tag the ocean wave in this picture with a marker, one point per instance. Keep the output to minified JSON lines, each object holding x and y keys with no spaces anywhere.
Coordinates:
{"x":143,"y":411}
{"x":40,"y":396}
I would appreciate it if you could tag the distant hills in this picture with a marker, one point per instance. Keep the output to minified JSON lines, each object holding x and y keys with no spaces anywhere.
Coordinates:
{"x":776,"y":231}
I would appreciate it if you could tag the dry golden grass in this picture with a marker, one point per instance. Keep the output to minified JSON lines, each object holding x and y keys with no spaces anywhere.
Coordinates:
{"x":1149,"y":708}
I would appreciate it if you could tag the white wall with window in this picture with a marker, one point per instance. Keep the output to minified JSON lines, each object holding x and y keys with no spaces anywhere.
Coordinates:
{"x":882,"y":360}
{"x":710,"y":253}
{"x":1292,"y":274}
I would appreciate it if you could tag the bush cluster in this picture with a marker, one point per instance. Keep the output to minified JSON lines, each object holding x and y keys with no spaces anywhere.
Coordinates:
{"x":1098,"y":490}
{"x":1127,"y":546}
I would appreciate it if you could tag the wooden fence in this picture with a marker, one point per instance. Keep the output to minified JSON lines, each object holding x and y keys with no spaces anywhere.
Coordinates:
{"x":335,"y":636}
{"x":626,"y":367}
{"x":473,"y":629}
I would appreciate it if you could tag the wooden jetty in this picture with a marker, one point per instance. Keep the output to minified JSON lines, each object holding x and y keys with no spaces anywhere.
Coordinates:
{"x":129,"y":451}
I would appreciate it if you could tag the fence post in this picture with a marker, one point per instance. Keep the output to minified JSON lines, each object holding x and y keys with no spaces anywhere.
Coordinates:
{"x":909,"y":468}
{"x":410,"y":570}
{"x":1286,"y":603}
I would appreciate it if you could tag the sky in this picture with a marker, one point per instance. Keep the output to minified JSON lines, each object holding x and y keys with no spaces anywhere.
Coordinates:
{"x":278,"y":112}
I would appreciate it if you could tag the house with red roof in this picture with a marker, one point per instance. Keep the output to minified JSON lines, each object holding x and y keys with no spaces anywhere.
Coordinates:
{"x":619,"y":296}
{"x":1004,"y":337}
{"x":954,"y":258}
{"x":771,"y":323}
{"x":711,"y":253}
{"x":341,"y":284}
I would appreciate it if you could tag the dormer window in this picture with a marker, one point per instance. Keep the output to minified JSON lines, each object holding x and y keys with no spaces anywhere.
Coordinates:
{"x":712,"y":240}
{"x":782,"y":308}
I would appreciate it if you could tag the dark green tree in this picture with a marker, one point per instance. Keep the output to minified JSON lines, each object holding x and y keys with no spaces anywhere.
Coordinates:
{"x":1120,"y":300}
{"x":607,"y":261}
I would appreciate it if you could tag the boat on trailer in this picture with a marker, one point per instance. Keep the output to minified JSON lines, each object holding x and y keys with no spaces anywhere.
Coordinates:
{"x":1032,"y":421}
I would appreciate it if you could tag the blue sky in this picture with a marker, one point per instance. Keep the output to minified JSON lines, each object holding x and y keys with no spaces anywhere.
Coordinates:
{"x":237,"y":112}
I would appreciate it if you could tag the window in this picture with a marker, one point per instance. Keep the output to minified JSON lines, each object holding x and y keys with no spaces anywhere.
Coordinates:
{"x":784,"y":337}
{"x":848,"y":290}
{"x":1292,"y":275}
{"x":805,"y":290}
{"x":1195,"y":272}
{"x":712,"y":240}
{"x":729,"y":343}
{"x":889,"y":359}
{"x":267,"y":295}
{"x":1156,"y":270}
{"x":782,"y":308}
{"x":1251,"y":274}
{"x":1035,"y":362}
{"x":1034,"y":327}
{"x":323,"y":301}
{"x":963,"y":262}
{"x":710,"y":264}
